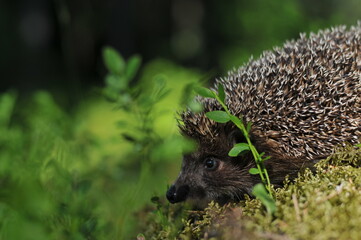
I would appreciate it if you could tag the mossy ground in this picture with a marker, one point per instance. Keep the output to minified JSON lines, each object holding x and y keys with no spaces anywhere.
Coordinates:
{"x":320,"y":204}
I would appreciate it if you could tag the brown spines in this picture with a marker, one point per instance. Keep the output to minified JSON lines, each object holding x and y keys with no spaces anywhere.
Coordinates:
{"x":304,"y":98}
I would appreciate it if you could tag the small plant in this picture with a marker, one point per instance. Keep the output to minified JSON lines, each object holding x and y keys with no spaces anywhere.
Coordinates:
{"x":138,"y":103}
{"x":261,"y":190}
{"x":120,"y":73}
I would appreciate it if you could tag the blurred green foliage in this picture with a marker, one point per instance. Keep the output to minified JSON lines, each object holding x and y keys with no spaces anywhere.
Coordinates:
{"x":83,"y":176}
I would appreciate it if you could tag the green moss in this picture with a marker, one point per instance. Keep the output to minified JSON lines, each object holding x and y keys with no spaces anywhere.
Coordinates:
{"x":323,"y":204}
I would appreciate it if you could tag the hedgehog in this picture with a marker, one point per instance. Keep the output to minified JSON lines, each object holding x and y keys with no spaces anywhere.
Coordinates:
{"x":303,"y":99}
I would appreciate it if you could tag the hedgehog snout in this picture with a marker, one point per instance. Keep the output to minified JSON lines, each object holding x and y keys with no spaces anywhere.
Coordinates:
{"x":179,"y":194}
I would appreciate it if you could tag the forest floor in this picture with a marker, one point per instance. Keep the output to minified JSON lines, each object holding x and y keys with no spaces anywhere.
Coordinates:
{"x":323,"y":204}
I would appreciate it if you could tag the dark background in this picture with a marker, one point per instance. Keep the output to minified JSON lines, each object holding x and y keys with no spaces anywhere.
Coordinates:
{"x":56,"y":44}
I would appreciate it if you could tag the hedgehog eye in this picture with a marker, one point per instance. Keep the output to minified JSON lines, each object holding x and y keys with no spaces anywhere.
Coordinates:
{"x":211,"y":164}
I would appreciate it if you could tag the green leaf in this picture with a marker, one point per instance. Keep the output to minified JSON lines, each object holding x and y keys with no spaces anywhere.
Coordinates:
{"x":260,"y":192}
{"x":132,"y":66}
{"x":205,"y":92}
{"x":113,"y":60}
{"x":218,"y":116}
{"x":221,"y":93}
{"x":124,"y":99}
{"x":358,"y":145}
{"x":116,"y":82}
{"x":237,"y":149}
{"x":253,"y":171}
{"x":235,"y":120}
{"x":111,"y":94}
{"x":266,"y":158}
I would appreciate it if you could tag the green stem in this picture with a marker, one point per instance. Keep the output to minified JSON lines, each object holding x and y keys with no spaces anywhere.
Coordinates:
{"x":259,"y":162}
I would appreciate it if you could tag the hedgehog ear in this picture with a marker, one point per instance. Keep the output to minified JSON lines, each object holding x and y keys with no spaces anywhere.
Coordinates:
{"x":236,"y":136}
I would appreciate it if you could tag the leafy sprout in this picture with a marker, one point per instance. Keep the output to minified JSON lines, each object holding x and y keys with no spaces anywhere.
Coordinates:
{"x":263,"y":190}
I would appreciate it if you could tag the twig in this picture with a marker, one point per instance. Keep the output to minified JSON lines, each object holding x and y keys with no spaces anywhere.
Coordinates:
{"x":297,"y":208}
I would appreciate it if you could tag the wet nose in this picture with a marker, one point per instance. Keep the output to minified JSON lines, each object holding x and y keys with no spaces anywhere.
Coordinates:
{"x":171,"y":194}
{"x":175,"y":195}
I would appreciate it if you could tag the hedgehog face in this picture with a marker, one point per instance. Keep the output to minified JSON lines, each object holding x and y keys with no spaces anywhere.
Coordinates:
{"x":210,"y":174}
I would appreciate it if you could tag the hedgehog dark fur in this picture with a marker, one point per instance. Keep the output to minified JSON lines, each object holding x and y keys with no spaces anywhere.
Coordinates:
{"x":303,"y":100}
